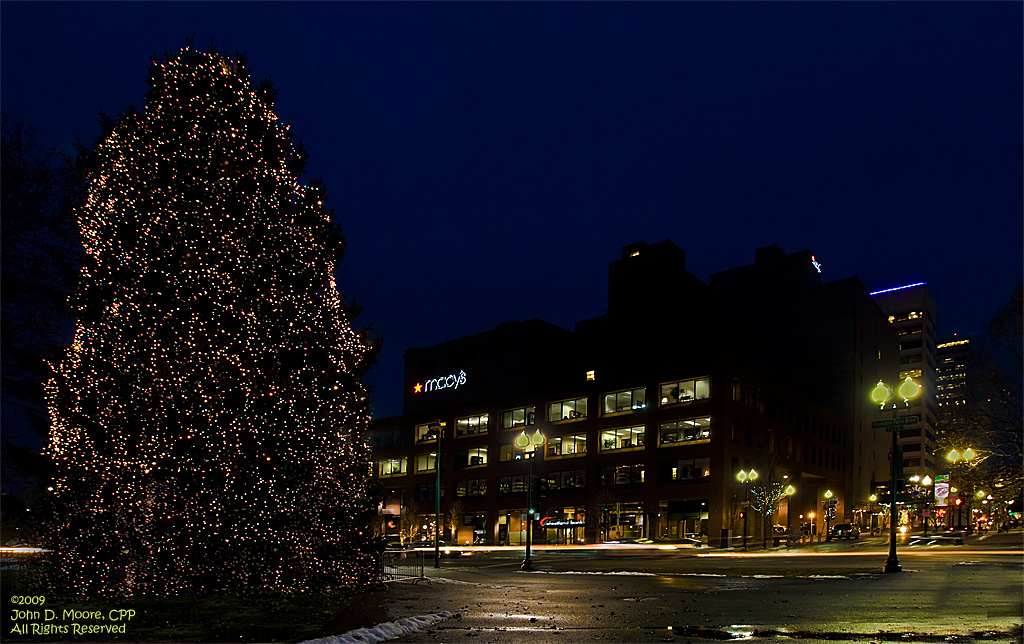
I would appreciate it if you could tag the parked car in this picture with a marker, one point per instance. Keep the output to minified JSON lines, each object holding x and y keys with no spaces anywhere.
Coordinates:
{"x":845,"y":531}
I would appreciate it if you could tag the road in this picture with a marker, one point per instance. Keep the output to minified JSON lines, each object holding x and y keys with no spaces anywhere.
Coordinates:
{"x":827,"y":592}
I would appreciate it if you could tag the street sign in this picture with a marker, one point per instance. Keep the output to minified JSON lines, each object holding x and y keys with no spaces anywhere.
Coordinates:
{"x":891,"y":422}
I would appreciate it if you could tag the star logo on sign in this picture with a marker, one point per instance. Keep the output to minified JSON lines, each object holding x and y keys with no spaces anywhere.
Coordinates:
{"x":418,"y":388}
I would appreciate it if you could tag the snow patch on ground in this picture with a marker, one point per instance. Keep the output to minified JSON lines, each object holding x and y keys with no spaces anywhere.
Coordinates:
{"x":385,"y":631}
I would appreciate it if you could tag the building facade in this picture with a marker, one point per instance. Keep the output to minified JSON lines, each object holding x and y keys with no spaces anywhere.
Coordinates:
{"x":646,"y":416}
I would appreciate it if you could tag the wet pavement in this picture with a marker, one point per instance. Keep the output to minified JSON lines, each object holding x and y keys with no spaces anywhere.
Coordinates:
{"x":955,"y":596}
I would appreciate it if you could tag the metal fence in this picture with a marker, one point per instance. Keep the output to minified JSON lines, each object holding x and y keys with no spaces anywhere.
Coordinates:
{"x":400,"y":565}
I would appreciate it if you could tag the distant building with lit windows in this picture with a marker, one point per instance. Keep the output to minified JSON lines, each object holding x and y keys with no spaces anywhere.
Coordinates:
{"x":911,"y":312}
{"x":649,"y":411}
{"x":955,"y":358}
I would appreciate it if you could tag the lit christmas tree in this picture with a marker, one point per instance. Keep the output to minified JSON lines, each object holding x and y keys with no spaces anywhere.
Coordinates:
{"x":208,"y":421}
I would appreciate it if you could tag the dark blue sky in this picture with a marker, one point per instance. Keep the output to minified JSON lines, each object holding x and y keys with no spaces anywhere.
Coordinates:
{"x":488,"y":160}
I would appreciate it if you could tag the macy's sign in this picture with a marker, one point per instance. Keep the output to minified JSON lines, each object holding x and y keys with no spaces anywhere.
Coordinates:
{"x":453,"y":381}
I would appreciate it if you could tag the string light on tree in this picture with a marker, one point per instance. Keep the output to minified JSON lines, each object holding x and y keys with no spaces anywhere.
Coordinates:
{"x":208,"y":420}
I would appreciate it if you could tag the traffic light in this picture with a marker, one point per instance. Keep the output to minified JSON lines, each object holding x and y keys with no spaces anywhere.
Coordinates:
{"x":743,"y":514}
{"x":958,"y":501}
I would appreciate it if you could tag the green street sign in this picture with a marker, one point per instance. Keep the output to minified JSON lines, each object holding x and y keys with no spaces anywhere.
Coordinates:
{"x":896,"y":422}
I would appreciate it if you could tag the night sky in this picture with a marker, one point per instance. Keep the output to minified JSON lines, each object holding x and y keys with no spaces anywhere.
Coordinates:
{"x":487,"y":161}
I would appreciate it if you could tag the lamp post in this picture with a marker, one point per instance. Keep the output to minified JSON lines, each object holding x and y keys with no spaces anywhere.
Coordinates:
{"x":746,"y":477}
{"x":828,"y":504}
{"x":881,"y":394}
{"x":981,"y":497}
{"x":790,"y":491}
{"x":439,"y":426}
{"x":871,"y":511}
{"x":927,"y":483}
{"x":955,"y":457}
{"x":529,"y":445}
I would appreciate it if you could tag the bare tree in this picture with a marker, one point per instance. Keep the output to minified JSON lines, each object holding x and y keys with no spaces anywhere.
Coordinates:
{"x":768,"y":494}
{"x":454,"y":519}
{"x":409,"y":522}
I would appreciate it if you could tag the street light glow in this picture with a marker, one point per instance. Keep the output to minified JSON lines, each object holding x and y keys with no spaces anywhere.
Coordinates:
{"x":909,"y":389}
{"x":881,"y":394}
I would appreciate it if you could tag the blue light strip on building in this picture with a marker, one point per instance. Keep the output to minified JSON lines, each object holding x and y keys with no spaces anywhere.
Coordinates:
{"x":899,"y":288}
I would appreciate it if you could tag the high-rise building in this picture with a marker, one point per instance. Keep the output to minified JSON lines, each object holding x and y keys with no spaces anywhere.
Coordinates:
{"x":911,"y":312}
{"x":954,"y":360}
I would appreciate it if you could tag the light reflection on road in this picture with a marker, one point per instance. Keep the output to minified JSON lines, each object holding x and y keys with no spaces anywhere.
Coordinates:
{"x":861,"y":553}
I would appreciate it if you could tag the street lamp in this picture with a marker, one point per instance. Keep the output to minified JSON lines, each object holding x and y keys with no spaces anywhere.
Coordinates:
{"x":439,"y":427}
{"x":746,"y":477}
{"x":789,"y":491}
{"x":881,"y":395}
{"x":871,"y":509}
{"x":927,"y":483}
{"x":828,"y":504}
{"x":955,"y":457}
{"x":529,"y":445}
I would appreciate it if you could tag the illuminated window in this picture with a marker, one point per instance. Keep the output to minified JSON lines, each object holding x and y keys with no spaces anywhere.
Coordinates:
{"x":426,"y":433}
{"x":622,"y":475}
{"x":426,"y":462}
{"x":472,"y":457}
{"x":567,"y":410}
{"x":471,"y":425}
{"x":625,"y":401}
{"x":688,"y":469}
{"x":682,"y":431}
{"x":512,"y":484}
{"x":623,"y":438}
{"x":506,"y":453}
{"x":590,"y":375}
{"x":522,"y":417}
{"x":570,"y":445}
{"x":913,"y":373}
{"x":567,"y":480}
{"x":685,"y":391}
{"x":474,"y":487}
{"x":393,"y":466}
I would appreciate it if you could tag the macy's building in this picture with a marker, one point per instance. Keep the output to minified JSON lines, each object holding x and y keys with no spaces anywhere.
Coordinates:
{"x":648,"y":413}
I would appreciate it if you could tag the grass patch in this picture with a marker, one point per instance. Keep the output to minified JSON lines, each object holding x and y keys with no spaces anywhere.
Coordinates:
{"x":251,"y":617}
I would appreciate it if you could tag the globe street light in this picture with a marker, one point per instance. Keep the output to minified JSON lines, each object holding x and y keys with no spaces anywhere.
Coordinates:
{"x":789,"y":491}
{"x":871,"y":509}
{"x":529,"y":445}
{"x":829,"y":505}
{"x":927,"y":483}
{"x":955,"y":458}
{"x":881,"y":395}
{"x":746,"y":477}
